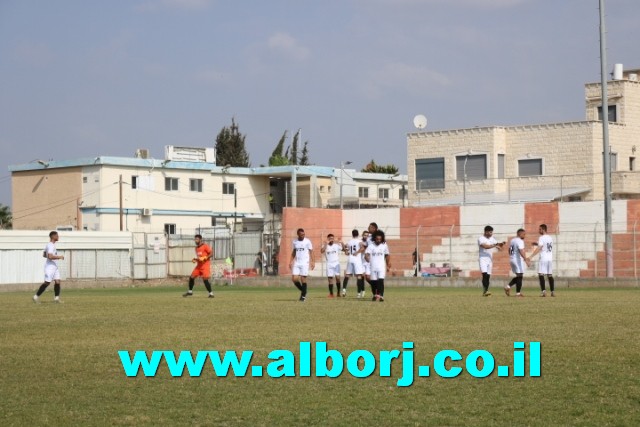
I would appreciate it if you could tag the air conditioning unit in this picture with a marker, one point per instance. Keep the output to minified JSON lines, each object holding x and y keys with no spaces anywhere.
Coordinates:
{"x":147,"y":212}
{"x":142,"y":153}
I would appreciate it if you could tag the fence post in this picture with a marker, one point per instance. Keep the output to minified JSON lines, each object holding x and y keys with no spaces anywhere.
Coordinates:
{"x":635,"y":261}
{"x":561,"y":187}
{"x":595,"y":250}
{"x":451,"y":248}
{"x":418,"y":251}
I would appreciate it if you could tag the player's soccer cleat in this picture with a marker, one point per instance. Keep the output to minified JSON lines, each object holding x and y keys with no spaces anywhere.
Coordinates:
{"x":344,"y":293}
{"x":362,"y":296}
{"x":302,"y":299}
{"x":507,"y":290}
{"x":543,"y":294}
{"x":519,"y":295}
{"x":552,"y":294}
{"x":36,"y":299}
{"x":486,"y":294}
{"x":330,"y":296}
{"x":187,"y":294}
{"x":381,"y":299}
{"x":211,"y":295}
{"x":374,"y":298}
{"x":57,"y":300}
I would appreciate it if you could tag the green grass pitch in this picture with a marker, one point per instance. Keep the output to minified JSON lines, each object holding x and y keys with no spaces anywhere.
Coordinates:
{"x":60,"y":366}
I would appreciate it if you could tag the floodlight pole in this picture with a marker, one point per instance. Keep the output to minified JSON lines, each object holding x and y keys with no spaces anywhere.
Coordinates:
{"x":605,"y":145}
{"x":342,"y":165}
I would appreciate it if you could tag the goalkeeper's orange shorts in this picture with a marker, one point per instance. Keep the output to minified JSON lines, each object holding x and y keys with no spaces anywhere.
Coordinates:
{"x":203,"y":271}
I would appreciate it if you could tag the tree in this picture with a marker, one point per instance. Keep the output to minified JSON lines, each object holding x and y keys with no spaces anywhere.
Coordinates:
{"x":294,"y":149}
{"x":230,"y":148}
{"x":278,"y":158}
{"x":304,"y":158}
{"x":373,"y":167}
{"x":6,"y":220}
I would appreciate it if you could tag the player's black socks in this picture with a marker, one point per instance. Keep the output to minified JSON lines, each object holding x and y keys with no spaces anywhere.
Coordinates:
{"x":207,"y":285}
{"x":374,"y":286}
{"x":551,"y":283}
{"x":344,"y":283}
{"x":519,"y":284}
{"x":541,"y":279}
{"x":192,"y":282}
{"x":360,"y":285}
{"x":298,"y":285}
{"x":56,"y":289}
{"x":331,"y":289}
{"x":380,"y":287}
{"x":513,"y":281}
{"x":42,"y":288}
{"x":304,"y":289}
{"x":485,"y":281}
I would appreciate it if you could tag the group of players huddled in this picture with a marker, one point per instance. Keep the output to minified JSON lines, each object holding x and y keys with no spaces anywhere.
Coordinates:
{"x":368,"y":260}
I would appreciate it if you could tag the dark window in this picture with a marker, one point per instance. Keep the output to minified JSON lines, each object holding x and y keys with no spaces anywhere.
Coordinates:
{"x":430,"y":173}
{"x":134,"y":181}
{"x":632,"y":163}
{"x":612,"y":112}
{"x":404,"y":193}
{"x":500,"y":166}
{"x":383,"y":193}
{"x":530,"y":167}
{"x":171,"y":184}
{"x":195,"y":185}
{"x":170,"y":229}
{"x":363,"y":192}
{"x":474,"y":166}
{"x":228,"y":188}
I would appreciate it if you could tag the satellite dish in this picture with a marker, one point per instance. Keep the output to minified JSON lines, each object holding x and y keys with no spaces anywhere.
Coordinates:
{"x":420,"y":121}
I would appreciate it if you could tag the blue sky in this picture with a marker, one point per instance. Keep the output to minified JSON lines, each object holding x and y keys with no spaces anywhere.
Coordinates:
{"x":88,"y":78}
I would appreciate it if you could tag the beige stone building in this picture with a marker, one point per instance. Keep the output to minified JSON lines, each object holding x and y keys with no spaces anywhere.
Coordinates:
{"x":542,"y":162}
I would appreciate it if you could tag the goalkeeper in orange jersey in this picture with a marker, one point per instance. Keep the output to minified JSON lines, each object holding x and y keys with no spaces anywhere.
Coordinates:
{"x":202,"y":268}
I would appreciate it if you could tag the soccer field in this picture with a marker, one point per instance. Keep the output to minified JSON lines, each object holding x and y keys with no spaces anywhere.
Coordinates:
{"x":60,"y":363}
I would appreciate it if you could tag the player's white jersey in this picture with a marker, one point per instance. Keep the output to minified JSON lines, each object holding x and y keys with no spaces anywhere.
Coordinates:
{"x":352,"y":247}
{"x":377,"y":256}
{"x":514,"y":249}
{"x":50,"y":249}
{"x":486,"y":253}
{"x":302,"y":248}
{"x":332,"y":253}
{"x":545,"y":243}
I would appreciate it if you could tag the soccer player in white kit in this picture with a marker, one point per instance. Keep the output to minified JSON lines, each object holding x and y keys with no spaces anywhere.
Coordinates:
{"x":355,"y":249}
{"x":518,"y":259}
{"x":331,"y":251}
{"x":486,"y":244}
{"x":377,"y":255}
{"x":51,"y":272}
{"x":545,"y":265}
{"x":301,"y":262}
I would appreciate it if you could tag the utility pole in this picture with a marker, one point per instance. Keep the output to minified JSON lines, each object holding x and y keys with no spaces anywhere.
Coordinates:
{"x":121,"y":208}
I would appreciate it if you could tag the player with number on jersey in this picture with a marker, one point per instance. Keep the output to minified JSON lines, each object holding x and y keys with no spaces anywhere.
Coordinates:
{"x":545,"y":265}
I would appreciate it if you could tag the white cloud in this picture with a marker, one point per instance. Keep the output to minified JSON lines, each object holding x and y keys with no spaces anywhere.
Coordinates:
{"x":153,"y":5}
{"x":404,"y":77}
{"x":288,"y":46}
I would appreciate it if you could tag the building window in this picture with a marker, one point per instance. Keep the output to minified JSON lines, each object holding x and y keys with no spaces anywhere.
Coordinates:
{"x":228,"y":188}
{"x":404,"y":193}
{"x":171,"y":184}
{"x":195,"y":185}
{"x":471,"y":167}
{"x":322,"y":188}
{"x":614,"y":162}
{"x":430,"y":173}
{"x":632,"y":163}
{"x":530,"y":167}
{"x":134,"y":181}
{"x":329,"y":189}
{"x":363,"y":192}
{"x":612,"y":112}
{"x":383,"y":193}
{"x":84,"y":179}
{"x":170,"y":229}
{"x":500,"y":166}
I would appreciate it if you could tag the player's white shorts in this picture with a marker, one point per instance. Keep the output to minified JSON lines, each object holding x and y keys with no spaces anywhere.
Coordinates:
{"x":367,"y":268}
{"x":517,"y":266}
{"x":51,"y":273}
{"x":333,"y":270}
{"x":377,"y":274}
{"x":545,"y":267}
{"x":354,"y":268}
{"x":300,"y":270}
{"x":486,"y":264}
